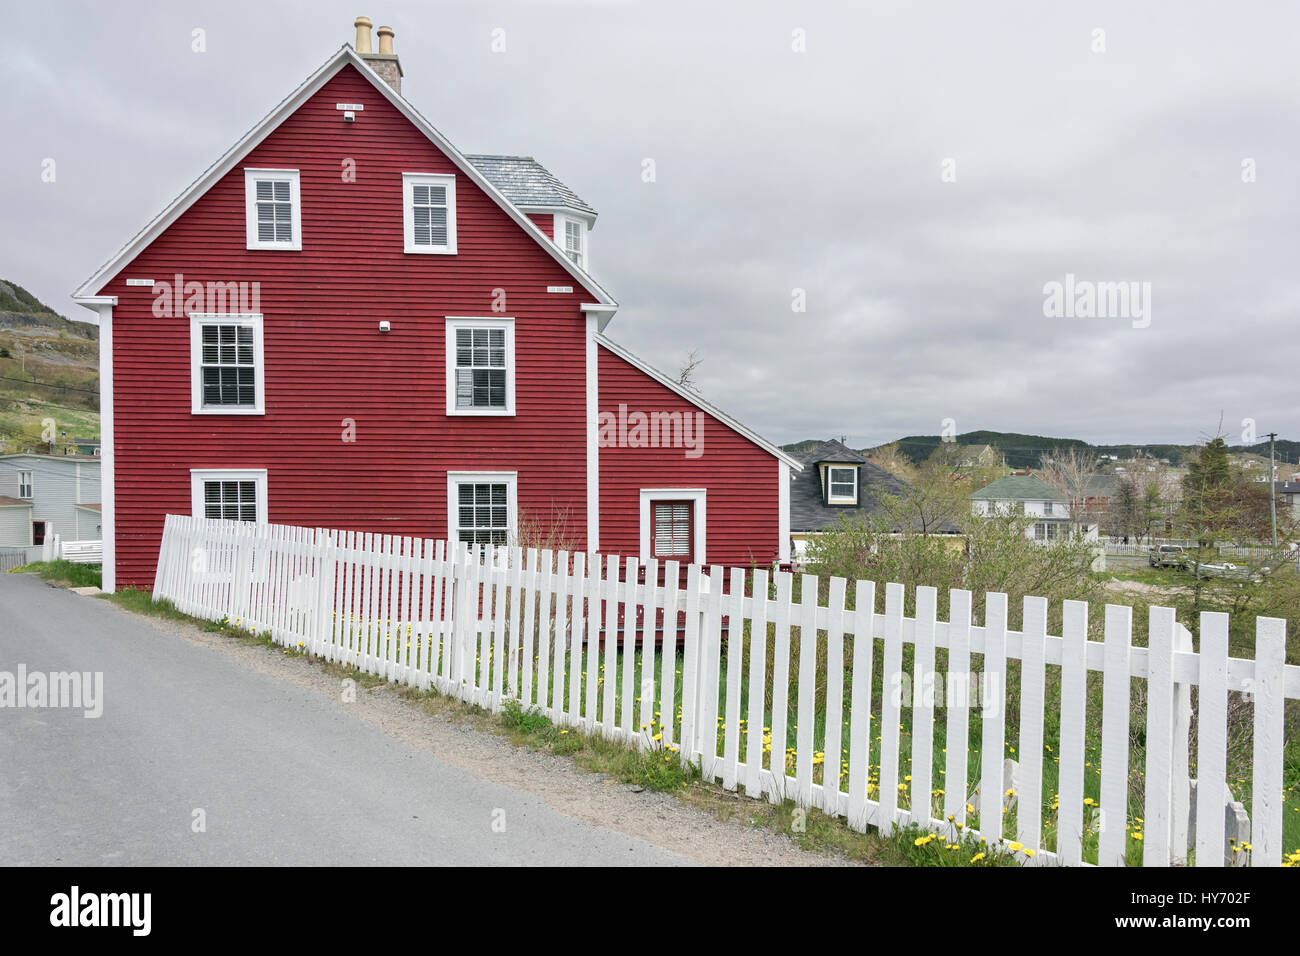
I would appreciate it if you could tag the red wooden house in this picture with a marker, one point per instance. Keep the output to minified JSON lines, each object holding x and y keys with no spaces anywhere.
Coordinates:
{"x":346,"y":322}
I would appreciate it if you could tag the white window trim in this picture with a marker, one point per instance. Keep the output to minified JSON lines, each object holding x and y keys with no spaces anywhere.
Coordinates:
{"x":455,"y":322}
{"x":557,"y":231}
{"x":245,"y":320}
{"x":697,"y":496}
{"x":200,"y":475}
{"x":508,"y":478}
{"x":841,"y":499}
{"x":408,"y":212}
{"x":250,"y":207}
{"x":30,"y":483}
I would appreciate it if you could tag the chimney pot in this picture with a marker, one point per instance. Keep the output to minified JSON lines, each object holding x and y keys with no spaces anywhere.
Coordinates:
{"x":363,"y":34}
{"x":385,"y":41}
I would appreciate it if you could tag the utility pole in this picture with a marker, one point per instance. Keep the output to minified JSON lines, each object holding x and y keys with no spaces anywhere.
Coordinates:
{"x":1272,"y":485}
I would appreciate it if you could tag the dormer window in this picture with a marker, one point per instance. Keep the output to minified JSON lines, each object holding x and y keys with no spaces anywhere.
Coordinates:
{"x":575,"y":242}
{"x":272,"y":209}
{"x":841,"y":486}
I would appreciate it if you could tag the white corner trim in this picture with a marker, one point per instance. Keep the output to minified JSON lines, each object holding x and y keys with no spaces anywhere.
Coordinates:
{"x":603,"y":313}
{"x":593,"y":436}
{"x":696,"y":495}
{"x":108,"y":459}
{"x":455,"y":322}
{"x":509,"y":478}
{"x":251,"y":175}
{"x":411,"y":180}
{"x":783,"y":512}
{"x":243,"y":320}
{"x":699,"y":402}
{"x":199,"y":475}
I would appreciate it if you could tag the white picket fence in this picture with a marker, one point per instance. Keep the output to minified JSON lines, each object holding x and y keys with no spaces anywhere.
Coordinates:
{"x":548,"y":630}
{"x":78,"y":552}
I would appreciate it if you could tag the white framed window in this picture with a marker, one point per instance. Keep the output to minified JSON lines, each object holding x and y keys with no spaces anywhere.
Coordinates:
{"x":227,"y":368}
{"x":231,"y":494}
{"x":480,"y":366}
{"x":429,"y":213}
{"x":842,"y":486}
{"x":673,"y":522}
{"x":571,"y":236}
{"x":482,"y":507}
{"x":25,"y":484}
{"x":1047,"y":507}
{"x":272,"y":209}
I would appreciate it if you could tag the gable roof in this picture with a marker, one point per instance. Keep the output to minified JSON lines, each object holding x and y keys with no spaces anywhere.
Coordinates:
{"x":832,"y":451}
{"x":698,"y":402}
{"x":344,"y":57}
{"x":526,"y":182}
{"x":8,"y":502}
{"x":1018,"y":488}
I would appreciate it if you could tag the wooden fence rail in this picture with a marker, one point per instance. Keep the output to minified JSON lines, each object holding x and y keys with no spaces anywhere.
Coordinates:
{"x":877,"y":717}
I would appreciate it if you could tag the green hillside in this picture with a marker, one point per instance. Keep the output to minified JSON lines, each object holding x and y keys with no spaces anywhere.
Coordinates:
{"x":1027,"y":451}
{"x":49,"y":370}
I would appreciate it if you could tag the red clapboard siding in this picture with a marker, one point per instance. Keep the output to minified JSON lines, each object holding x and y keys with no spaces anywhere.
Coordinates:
{"x":326,"y":360}
{"x":740,"y":478}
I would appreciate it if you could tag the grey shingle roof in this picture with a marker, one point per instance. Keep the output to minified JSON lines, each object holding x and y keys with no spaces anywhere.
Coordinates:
{"x":808,"y":512}
{"x":832,"y":450}
{"x":526,"y":182}
{"x":1018,"y":488}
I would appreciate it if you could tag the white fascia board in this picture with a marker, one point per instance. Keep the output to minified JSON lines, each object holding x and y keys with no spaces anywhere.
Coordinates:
{"x":346,"y":55}
{"x":569,"y":211}
{"x":700,"y":403}
{"x":95,"y":304}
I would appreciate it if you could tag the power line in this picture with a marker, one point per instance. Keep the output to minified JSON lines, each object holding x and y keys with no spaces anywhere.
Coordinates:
{"x":72,"y":388}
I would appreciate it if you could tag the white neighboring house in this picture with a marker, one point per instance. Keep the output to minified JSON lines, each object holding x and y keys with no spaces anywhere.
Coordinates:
{"x":42,"y":495}
{"x":1029,"y":495}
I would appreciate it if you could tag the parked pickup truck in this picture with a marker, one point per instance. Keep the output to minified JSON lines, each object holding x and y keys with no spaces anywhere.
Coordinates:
{"x":1168,"y":556}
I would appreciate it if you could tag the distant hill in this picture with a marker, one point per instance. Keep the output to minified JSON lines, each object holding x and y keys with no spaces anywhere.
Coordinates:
{"x":49,"y":369}
{"x":1027,"y":451}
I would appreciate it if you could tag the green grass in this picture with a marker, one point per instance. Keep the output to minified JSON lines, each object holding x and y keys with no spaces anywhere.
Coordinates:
{"x":64,"y":573}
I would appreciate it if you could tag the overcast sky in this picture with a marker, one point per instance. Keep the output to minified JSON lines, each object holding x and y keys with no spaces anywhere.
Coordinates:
{"x":921,"y":171}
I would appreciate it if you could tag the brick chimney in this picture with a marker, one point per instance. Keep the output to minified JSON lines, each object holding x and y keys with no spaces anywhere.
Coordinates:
{"x":385,"y":62}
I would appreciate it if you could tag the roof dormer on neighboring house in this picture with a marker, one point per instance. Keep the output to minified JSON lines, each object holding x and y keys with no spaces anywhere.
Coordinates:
{"x":839,"y":471}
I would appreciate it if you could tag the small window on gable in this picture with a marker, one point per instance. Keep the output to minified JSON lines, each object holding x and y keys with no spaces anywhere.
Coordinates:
{"x":429,"y":213}
{"x":480,"y":366}
{"x":842,"y":486}
{"x":24,"y":484}
{"x":273,"y":209}
{"x":226,"y":364}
